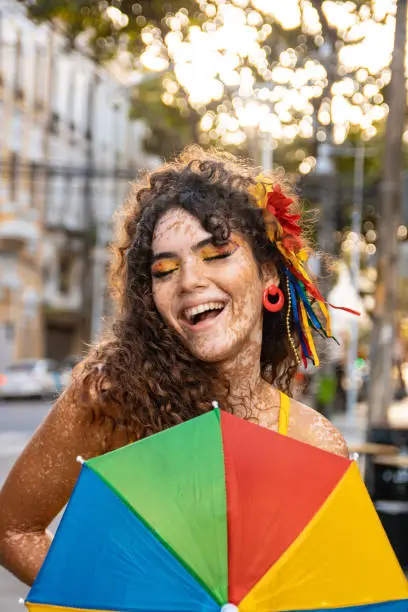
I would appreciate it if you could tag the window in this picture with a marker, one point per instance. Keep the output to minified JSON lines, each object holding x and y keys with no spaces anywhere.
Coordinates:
{"x":65,"y":273}
{"x":18,"y":92}
{"x":16,"y":132}
{"x":38,"y":78}
{"x":1,"y":49}
{"x":70,"y":111}
{"x":9,"y":331}
{"x":54,"y":123}
{"x":14,"y":176}
{"x":37,"y":138}
{"x":54,"y":98}
{"x":34,"y":178}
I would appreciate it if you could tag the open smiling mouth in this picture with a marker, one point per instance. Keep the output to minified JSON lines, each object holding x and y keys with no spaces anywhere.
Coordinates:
{"x":200,"y":314}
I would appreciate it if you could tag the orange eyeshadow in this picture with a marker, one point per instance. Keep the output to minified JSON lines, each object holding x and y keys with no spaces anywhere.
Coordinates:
{"x":211,"y":251}
{"x":164,"y":266}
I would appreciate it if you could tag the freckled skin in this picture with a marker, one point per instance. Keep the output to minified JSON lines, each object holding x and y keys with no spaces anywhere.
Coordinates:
{"x":43,"y":477}
{"x":235,"y":279}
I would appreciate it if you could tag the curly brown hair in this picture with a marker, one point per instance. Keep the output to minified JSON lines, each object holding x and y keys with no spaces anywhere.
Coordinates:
{"x":140,"y":376}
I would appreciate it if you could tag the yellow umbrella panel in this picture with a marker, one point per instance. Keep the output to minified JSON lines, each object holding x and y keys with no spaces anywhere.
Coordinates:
{"x":341,"y":560}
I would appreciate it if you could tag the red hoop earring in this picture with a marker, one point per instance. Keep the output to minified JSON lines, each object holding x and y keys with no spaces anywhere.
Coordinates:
{"x":273,"y":290}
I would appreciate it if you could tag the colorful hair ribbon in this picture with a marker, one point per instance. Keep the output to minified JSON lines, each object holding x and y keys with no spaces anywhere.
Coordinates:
{"x":283,"y":229}
{"x":302,"y":294}
{"x":304,"y":351}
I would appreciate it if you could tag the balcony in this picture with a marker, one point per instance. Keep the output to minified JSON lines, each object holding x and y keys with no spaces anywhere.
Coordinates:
{"x":15,"y":234}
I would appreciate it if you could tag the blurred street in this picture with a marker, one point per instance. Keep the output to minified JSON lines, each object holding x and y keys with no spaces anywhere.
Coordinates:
{"x":93,"y":95}
{"x":18,"y":420}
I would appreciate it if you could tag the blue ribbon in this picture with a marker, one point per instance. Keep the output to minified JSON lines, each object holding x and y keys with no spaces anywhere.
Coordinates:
{"x":311,"y":314}
{"x":296,"y":315}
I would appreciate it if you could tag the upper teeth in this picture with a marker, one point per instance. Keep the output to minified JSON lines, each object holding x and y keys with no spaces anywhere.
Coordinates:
{"x":189,"y":313}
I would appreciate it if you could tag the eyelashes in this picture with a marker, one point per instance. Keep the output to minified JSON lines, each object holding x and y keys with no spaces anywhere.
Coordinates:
{"x":163,"y":274}
{"x":211,"y":252}
{"x":165,"y":267}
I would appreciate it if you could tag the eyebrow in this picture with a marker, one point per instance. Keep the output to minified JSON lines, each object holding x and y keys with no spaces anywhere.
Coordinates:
{"x":171,"y":254}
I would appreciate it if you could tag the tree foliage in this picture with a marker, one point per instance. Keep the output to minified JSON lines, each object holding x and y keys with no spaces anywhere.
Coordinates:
{"x":170,"y":128}
{"x":106,"y":36}
{"x":215,"y":59}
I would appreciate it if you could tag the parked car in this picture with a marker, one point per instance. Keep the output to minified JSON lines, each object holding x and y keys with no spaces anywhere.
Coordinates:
{"x":30,"y":378}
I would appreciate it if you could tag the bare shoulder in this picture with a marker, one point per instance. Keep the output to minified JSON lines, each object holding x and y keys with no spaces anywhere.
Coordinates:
{"x":76,"y":415}
{"x":310,"y":426}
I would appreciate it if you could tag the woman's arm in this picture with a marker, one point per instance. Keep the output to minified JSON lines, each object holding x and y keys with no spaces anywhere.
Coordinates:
{"x":40,"y":484}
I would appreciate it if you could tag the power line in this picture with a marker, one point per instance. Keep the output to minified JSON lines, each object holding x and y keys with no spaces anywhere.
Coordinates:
{"x":68,"y":171}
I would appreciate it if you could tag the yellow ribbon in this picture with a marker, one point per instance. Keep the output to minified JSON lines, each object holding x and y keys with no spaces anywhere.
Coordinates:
{"x":308,"y":333}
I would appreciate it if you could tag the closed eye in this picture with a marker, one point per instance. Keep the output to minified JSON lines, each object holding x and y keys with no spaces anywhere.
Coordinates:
{"x":163,"y":268}
{"x":162,"y":274}
{"x":220,"y":256}
{"x":212,"y":252}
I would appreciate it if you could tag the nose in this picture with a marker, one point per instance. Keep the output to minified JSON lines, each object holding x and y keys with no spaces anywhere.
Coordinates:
{"x":192,"y":276}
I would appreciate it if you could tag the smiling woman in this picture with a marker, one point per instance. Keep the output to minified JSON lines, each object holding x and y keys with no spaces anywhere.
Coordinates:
{"x":212,"y":296}
{"x":214,"y":302}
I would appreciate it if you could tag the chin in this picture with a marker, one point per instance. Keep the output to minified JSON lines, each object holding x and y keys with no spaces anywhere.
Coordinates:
{"x":214,"y":354}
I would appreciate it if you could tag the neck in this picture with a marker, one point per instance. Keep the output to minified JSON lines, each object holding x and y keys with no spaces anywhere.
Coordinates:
{"x":243,"y":374}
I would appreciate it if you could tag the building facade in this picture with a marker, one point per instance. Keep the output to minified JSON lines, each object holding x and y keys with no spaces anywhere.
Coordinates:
{"x":67,"y":153}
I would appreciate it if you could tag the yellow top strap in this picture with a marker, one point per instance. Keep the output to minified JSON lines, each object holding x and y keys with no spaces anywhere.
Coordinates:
{"x":284,"y":414}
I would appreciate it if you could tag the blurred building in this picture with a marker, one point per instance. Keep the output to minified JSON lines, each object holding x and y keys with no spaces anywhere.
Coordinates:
{"x":67,"y":153}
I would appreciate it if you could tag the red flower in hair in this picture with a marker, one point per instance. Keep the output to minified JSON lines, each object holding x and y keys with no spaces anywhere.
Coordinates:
{"x":278,"y":205}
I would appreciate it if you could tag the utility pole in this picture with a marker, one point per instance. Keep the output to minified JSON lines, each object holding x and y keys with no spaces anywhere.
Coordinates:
{"x":381,"y":387}
{"x":326,"y":171}
{"x":359,"y":157}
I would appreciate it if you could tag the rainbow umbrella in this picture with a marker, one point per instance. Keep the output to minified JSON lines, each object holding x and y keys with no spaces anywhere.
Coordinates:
{"x":219,"y":514}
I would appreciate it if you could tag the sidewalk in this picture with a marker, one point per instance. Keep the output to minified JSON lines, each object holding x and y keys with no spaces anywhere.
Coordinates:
{"x":354,"y":427}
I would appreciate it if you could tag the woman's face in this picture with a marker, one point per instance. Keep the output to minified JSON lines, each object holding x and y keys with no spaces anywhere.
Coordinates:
{"x":211,"y":295}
